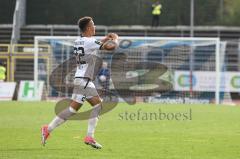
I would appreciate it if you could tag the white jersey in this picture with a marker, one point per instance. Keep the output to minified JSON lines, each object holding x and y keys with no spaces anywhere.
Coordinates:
{"x":85,"y":49}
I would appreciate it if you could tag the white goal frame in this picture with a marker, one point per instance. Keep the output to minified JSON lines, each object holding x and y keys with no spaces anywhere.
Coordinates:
{"x":217,"y":54}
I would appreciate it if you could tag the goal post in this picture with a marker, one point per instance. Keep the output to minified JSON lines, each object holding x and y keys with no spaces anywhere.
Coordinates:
{"x":190,"y":64}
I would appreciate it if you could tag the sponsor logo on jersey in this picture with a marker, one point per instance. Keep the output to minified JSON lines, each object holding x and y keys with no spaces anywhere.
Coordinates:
{"x":98,"y":42}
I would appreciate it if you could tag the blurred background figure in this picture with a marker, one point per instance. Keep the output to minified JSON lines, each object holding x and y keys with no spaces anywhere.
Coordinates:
{"x":104,"y":76}
{"x":156,"y":11}
{"x":2,"y":72}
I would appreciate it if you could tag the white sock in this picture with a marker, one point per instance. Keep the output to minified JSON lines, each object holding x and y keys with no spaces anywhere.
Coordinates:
{"x":92,"y":122}
{"x":61,"y":118}
{"x":55,"y":123}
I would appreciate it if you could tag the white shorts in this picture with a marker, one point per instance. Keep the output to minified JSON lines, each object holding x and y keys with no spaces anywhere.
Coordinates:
{"x":83,"y":89}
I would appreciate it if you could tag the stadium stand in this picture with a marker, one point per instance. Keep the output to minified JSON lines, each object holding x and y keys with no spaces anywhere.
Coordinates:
{"x":5,"y":34}
{"x":28,"y":32}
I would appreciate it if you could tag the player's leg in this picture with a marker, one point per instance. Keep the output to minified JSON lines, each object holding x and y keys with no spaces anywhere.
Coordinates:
{"x":62,"y":117}
{"x":78,"y":99}
{"x":94,"y":116}
{"x":92,"y":122}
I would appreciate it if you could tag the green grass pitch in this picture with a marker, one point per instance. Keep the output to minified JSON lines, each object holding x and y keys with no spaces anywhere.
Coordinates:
{"x":211,"y":132}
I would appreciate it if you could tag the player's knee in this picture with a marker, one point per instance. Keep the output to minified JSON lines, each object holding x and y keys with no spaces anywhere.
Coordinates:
{"x":95,"y":100}
{"x":78,"y":98}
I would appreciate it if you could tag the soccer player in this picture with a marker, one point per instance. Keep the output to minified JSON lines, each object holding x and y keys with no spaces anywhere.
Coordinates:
{"x":85,"y":49}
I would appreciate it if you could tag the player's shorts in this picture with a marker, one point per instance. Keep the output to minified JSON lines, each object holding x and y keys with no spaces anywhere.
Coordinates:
{"x":83,"y":89}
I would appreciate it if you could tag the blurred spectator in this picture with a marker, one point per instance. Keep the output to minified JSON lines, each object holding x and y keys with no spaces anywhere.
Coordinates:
{"x":156,"y":11}
{"x":42,"y":72}
{"x":104,"y":76}
{"x":2,"y":72}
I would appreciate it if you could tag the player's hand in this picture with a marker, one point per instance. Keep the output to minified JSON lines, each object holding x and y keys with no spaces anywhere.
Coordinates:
{"x":110,"y":45}
{"x":110,"y":42}
{"x":112,"y":36}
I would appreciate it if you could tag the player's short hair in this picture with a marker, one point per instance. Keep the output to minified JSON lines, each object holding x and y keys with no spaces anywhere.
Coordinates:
{"x":83,"y":22}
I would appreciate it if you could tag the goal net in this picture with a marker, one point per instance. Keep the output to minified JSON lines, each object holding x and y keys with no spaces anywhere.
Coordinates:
{"x":149,"y":69}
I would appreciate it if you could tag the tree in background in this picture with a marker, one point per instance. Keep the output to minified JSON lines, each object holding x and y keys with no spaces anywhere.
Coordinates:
{"x":231,"y":12}
{"x":125,"y":12}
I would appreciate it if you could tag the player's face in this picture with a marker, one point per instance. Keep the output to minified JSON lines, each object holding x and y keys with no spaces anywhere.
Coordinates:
{"x":91,"y":27}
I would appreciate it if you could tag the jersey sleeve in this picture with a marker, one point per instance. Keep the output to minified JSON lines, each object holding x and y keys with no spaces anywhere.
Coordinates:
{"x":94,"y":44}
